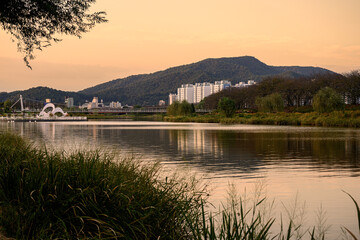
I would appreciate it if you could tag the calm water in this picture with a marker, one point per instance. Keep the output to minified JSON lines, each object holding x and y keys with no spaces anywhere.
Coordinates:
{"x":305,"y":164}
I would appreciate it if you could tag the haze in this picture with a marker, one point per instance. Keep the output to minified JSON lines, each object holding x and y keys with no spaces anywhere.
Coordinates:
{"x":147,"y":36}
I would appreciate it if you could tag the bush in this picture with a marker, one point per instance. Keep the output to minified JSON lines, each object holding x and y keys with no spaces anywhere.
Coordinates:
{"x":327,"y":100}
{"x":180,"y":109}
{"x":54,"y":195}
{"x":227,"y":106}
{"x":270,"y":103}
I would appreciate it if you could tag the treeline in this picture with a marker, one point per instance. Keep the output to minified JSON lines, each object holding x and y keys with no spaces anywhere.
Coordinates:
{"x":294,"y":92}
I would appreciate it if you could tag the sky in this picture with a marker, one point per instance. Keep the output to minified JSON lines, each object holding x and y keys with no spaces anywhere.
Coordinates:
{"x":147,"y":36}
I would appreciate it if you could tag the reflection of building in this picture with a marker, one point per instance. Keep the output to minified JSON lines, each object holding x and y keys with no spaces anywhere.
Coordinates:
{"x":196,"y":142}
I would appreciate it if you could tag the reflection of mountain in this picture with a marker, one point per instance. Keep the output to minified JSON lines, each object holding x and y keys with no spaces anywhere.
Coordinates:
{"x":236,"y":151}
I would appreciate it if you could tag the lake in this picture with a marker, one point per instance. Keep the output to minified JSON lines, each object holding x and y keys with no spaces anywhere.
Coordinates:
{"x":300,"y":167}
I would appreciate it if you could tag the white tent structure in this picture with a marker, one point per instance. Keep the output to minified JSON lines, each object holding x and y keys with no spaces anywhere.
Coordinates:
{"x":47,"y":114}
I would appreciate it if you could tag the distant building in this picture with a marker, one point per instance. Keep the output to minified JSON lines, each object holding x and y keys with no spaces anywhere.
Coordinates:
{"x":48,"y":100}
{"x":94,"y":103}
{"x":194,"y":93}
{"x":115,"y":105}
{"x":201,"y":91}
{"x":243,"y":84}
{"x":172,"y":98}
{"x":162,"y":103}
{"x":101,"y":104}
{"x":186,"y":92}
{"x":220,"y":85}
{"x":69,"y":102}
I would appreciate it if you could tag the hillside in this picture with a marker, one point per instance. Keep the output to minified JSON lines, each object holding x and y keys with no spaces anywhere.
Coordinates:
{"x":41,"y":93}
{"x":148,"y":89}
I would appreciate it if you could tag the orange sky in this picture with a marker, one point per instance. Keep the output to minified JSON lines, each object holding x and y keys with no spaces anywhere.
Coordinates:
{"x":146,"y":36}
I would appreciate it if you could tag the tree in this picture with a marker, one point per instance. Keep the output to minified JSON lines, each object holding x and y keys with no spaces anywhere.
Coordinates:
{"x":327,"y":100}
{"x":34,"y":23}
{"x":183,"y":108}
{"x":352,"y":85}
{"x":270,"y":103}
{"x":227,"y":106}
{"x":7,"y":105}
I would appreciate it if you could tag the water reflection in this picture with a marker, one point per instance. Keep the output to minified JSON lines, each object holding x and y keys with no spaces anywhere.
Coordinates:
{"x":236,"y":150}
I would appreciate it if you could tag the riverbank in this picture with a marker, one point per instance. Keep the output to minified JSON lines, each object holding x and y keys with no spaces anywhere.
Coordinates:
{"x":105,"y":116}
{"x":333,"y":119}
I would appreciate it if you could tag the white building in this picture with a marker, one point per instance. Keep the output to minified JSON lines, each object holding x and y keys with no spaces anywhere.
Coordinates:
{"x":172,"y":98}
{"x":243,"y":84}
{"x":197,"y":92}
{"x":194,"y":93}
{"x":220,"y":85}
{"x":201,"y":91}
{"x":115,"y":105}
{"x":186,"y":92}
{"x":94,"y":103}
{"x":69,"y":102}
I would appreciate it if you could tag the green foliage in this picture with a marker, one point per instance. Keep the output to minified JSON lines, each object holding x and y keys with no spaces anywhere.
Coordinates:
{"x":35,"y":24}
{"x":89,"y":195}
{"x":180,"y":109}
{"x":270,"y":103}
{"x":328,"y":100}
{"x":5,"y":106}
{"x":227,"y":106}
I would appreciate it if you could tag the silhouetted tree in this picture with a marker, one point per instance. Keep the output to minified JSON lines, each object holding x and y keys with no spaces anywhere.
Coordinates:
{"x":34,"y":23}
{"x":352,"y":86}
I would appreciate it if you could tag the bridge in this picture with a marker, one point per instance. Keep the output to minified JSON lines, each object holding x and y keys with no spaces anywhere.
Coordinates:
{"x":35,"y":106}
{"x":144,"y":110}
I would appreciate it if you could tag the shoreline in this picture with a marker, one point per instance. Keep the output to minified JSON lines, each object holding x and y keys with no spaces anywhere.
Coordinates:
{"x":349,"y":119}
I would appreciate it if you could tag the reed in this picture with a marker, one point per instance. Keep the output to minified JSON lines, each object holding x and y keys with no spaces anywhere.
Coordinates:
{"x":55,"y":195}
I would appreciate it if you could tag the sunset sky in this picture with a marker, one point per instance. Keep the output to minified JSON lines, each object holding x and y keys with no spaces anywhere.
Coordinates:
{"x":146,"y":36}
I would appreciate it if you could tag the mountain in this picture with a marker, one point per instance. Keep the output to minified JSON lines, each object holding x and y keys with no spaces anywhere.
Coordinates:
{"x":42,"y":93}
{"x":148,"y":89}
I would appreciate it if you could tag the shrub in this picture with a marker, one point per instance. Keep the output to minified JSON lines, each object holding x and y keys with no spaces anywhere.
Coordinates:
{"x":183,"y":108}
{"x":327,"y":100}
{"x":227,"y":106}
{"x":270,"y":103}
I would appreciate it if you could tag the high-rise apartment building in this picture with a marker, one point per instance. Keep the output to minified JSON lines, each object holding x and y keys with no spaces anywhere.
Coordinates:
{"x":194,"y":93}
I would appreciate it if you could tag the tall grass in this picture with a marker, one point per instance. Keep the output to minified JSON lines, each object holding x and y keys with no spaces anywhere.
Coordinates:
{"x":54,"y":195}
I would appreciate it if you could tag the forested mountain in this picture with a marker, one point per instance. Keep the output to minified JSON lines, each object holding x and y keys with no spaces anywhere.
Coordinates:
{"x":42,"y":93}
{"x":148,"y":89}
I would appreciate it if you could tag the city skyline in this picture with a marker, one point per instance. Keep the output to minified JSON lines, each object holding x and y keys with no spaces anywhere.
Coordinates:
{"x":144,"y":37}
